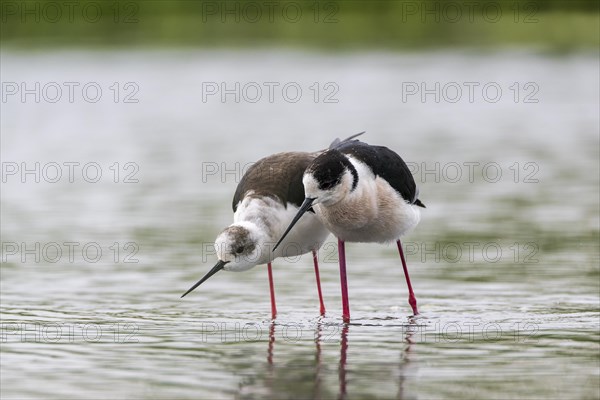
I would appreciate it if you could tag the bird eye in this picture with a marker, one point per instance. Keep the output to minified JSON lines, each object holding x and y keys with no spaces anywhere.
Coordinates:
{"x":239,"y":249}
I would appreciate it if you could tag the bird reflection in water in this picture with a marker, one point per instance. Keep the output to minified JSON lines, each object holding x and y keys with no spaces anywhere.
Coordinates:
{"x":342,"y":367}
{"x":405,"y":367}
{"x":306,"y":376}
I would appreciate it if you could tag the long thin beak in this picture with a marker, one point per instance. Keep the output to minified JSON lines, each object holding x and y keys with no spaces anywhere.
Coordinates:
{"x":303,"y":208}
{"x":210,"y":273}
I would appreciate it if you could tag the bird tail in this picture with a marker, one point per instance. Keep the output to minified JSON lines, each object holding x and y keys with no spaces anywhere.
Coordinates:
{"x":338,"y":142}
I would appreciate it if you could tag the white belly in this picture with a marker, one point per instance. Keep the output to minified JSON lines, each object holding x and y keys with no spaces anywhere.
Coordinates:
{"x":273,"y":218}
{"x":378,"y":214}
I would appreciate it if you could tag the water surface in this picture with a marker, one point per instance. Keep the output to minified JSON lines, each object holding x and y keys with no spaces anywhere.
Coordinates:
{"x":505,"y":267}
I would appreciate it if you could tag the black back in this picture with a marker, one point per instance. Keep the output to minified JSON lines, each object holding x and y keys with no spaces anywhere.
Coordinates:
{"x":386,"y":164}
{"x":278,"y":176}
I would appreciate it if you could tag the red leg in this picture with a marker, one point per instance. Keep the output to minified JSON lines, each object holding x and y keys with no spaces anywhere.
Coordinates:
{"x":343,"y":281}
{"x":412,"y":300}
{"x":316,"y":262}
{"x":273,"y":305}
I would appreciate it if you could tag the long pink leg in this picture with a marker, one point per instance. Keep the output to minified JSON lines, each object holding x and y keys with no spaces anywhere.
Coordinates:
{"x":343,"y":281}
{"x":273,"y":305}
{"x":316,"y":262}
{"x":412,"y":300}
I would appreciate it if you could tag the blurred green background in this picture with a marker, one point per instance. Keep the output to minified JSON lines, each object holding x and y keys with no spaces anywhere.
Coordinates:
{"x":555,"y":25}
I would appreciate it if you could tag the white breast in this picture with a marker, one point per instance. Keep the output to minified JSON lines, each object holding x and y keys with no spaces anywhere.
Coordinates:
{"x":271,"y":218}
{"x":373,"y":212}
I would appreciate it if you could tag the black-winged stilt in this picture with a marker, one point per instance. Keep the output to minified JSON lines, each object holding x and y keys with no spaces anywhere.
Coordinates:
{"x":361,"y":193}
{"x":265,"y":201}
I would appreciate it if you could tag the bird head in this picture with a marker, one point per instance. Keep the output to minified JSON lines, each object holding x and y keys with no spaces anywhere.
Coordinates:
{"x":237,"y":248}
{"x":327,"y":180}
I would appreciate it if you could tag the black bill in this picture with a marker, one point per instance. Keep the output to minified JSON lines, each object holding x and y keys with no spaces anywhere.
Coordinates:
{"x":210,"y":273}
{"x":303,"y":208}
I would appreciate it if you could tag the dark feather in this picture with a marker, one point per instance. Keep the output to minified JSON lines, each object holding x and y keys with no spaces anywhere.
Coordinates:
{"x":337,"y":142}
{"x":386,"y":164}
{"x":278,"y":176}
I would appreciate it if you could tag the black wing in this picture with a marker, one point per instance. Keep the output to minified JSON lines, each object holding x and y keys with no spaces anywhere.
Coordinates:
{"x":386,"y":164}
{"x":278,"y":176}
